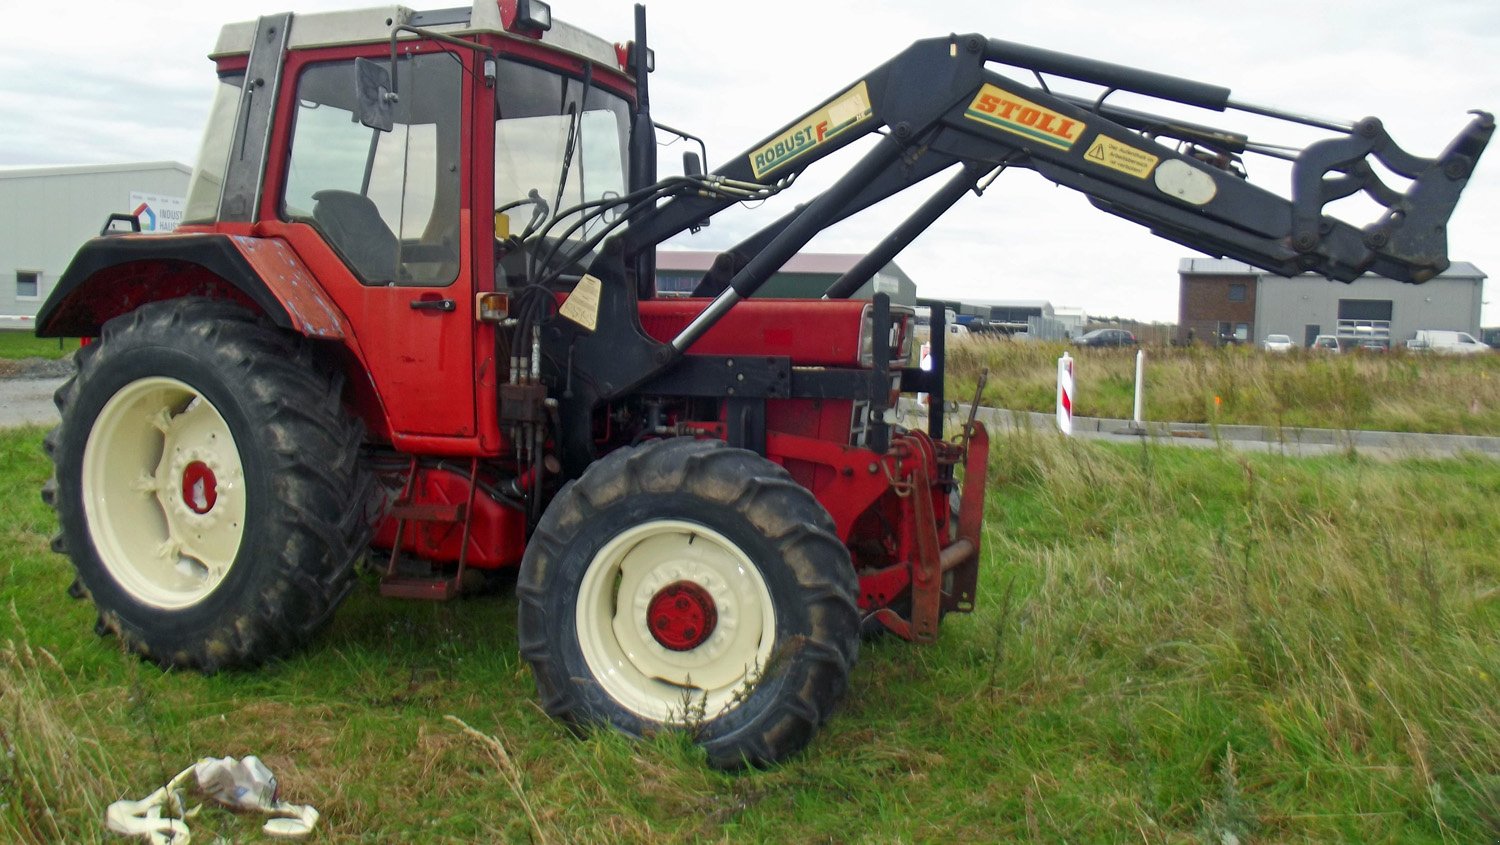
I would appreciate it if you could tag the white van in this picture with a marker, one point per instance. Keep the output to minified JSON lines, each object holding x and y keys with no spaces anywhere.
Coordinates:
{"x":1448,"y":342}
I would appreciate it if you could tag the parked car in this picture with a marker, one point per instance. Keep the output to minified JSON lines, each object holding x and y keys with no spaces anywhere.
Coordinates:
{"x":1326,"y":343}
{"x":1277,"y":343}
{"x":1447,"y":342}
{"x":1106,"y":337}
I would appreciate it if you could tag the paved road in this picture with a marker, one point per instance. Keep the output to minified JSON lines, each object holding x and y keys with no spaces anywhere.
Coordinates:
{"x":1299,"y":442}
{"x":28,"y":401}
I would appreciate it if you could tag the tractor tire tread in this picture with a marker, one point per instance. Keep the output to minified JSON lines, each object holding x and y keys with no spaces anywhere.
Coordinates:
{"x":786,"y":514}
{"x":319,"y":517}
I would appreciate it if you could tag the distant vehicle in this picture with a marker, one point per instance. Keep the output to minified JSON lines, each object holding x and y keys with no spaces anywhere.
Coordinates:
{"x":1446,"y":342}
{"x":1277,"y":343}
{"x":1106,"y":337}
{"x":956,"y":331}
{"x":924,"y":316}
{"x":1326,"y":343}
{"x":1373,"y":345}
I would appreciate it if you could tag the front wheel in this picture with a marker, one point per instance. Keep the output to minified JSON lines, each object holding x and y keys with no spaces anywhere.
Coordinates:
{"x":683,"y":584}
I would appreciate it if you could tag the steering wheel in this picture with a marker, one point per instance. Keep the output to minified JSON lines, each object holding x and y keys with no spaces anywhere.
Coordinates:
{"x":533,"y":197}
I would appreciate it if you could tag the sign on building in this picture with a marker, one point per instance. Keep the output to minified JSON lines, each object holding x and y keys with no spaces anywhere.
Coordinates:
{"x":157,"y":213}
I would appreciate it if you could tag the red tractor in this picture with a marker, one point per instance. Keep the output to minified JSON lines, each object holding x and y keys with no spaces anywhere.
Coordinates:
{"x":413,"y":308}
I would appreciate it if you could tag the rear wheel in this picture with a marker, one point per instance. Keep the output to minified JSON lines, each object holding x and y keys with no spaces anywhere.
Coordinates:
{"x":207,"y":485}
{"x":686,"y":585}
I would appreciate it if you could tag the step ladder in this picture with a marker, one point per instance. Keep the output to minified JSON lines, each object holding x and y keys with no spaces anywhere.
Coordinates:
{"x":432,"y":587}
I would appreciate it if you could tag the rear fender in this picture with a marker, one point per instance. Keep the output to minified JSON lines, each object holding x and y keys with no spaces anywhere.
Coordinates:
{"x":115,"y":274}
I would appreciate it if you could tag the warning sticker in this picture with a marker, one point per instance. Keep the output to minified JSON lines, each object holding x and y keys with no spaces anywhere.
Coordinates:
{"x":1110,"y":153}
{"x":582,"y":305}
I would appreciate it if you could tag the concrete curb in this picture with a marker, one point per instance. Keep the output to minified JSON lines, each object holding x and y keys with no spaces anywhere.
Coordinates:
{"x":1316,"y":440}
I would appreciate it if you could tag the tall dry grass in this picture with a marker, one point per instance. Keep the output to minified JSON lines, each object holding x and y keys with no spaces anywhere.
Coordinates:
{"x":1394,"y":391}
{"x":56,"y":776}
{"x":1321,"y":630}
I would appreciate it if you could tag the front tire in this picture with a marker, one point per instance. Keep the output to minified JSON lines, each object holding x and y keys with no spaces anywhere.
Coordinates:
{"x":682,"y":584}
{"x":208,"y":485}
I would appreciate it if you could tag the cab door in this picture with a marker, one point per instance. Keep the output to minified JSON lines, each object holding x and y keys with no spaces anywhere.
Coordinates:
{"x":385,"y":217}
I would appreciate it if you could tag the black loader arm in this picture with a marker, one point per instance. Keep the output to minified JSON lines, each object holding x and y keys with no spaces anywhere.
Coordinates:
{"x":941,"y":105}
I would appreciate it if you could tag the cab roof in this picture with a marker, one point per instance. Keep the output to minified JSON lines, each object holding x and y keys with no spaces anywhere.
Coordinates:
{"x":373,"y":25}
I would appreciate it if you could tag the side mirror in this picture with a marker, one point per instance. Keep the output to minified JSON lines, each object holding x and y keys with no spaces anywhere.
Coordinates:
{"x":373,"y":95}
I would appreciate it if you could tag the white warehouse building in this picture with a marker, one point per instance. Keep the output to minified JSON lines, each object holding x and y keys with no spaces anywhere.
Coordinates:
{"x":1228,"y":301}
{"x":46,"y":213}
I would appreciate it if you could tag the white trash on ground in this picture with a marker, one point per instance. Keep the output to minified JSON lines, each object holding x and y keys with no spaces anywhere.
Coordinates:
{"x":243,"y":785}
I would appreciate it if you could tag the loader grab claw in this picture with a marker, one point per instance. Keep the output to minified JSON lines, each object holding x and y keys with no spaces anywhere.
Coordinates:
{"x":1409,"y":240}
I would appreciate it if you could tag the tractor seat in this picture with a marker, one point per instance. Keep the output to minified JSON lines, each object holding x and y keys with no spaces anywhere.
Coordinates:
{"x":353,"y":226}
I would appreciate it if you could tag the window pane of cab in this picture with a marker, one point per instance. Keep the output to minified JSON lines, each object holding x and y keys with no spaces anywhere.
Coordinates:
{"x":387,"y":202}
{"x":213,"y":157}
{"x":557,"y":145}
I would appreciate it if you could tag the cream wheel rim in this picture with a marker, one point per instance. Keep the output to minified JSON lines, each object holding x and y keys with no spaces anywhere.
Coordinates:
{"x":163,"y":491}
{"x":635,"y":668}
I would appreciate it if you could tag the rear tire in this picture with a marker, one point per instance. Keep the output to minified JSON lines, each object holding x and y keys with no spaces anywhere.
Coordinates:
{"x":686,"y":585}
{"x":208,"y":485}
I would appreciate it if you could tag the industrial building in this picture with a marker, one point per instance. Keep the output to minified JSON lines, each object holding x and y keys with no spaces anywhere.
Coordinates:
{"x":47,"y":212}
{"x":1033,"y":318}
{"x":1225,"y":301}
{"x":805,"y":276}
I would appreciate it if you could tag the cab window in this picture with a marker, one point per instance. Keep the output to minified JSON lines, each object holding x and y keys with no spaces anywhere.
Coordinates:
{"x":387,"y":202}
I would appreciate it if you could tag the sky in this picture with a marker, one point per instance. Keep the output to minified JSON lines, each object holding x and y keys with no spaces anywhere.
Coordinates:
{"x":130,"y":82}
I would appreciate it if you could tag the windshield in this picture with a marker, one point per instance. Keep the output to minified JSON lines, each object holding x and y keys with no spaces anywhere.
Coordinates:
{"x":555,"y":148}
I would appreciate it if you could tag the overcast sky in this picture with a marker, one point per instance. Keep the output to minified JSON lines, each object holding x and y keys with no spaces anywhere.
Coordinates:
{"x":129,"y":82}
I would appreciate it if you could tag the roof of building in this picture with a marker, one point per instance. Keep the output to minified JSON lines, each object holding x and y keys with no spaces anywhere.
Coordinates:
{"x":1010,"y":303}
{"x":86,"y":169}
{"x":1197,"y":266}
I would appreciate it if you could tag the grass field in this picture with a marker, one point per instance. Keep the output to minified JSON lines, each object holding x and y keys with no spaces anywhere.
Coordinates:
{"x":1394,"y":391}
{"x":15,"y":343}
{"x":1171,"y":646}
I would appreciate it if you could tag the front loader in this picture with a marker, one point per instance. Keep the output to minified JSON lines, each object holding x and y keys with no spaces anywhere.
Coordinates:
{"x":411,"y":315}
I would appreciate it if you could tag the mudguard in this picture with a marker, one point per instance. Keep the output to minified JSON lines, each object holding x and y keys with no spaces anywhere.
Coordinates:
{"x":113,"y":274}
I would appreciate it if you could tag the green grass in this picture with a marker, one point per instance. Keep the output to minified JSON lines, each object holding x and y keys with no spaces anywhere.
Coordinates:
{"x":1171,"y":646}
{"x":1395,"y":391}
{"x":16,"y":344}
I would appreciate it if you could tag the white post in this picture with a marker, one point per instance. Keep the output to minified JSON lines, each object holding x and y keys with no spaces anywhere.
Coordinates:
{"x":1065,"y":394}
{"x":1140,"y":388}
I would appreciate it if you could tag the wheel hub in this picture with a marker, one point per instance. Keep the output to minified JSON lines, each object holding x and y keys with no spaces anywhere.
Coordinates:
{"x":682,"y":616}
{"x":200,"y":487}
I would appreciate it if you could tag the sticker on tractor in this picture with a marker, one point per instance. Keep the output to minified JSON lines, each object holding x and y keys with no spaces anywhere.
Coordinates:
{"x":1003,"y":110}
{"x":582,"y":305}
{"x":1107,"y":152}
{"x":845,"y":112}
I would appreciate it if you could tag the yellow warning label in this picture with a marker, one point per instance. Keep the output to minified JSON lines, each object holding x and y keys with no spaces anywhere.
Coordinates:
{"x":1110,"y":153}
{"x":582,"y":305}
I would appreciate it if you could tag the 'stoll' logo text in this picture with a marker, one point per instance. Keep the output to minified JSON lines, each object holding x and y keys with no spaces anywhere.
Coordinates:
{"x":1003,"y":110}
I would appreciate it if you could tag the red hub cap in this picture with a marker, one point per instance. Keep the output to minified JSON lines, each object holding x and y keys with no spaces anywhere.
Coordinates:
{"x":682,"y":616}
{"x":200,"y":489}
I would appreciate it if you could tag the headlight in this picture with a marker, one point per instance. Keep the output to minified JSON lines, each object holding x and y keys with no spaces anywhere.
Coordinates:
{"x":899,"y":342}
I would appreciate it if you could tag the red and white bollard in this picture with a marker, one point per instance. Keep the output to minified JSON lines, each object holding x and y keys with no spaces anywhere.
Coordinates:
{"x":1065,"y":394}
